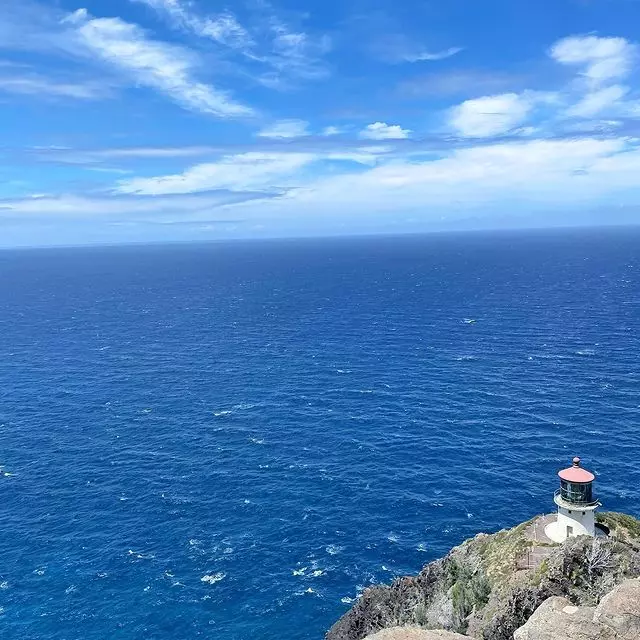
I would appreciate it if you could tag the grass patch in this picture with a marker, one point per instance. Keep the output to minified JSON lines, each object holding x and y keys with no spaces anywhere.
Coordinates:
{"x":620,"y":523}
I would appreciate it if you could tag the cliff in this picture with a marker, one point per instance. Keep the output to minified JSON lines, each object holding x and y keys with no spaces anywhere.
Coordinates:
{"x":489,"y":586}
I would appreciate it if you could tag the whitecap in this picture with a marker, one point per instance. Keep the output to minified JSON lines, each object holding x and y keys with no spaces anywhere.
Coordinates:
{"x":244,"y":405}
{"x":421,"y":547}
{"x":333,"y":549}
{"x":257,"y":440}
{"x":299,"y":572}
{"x":218,"y":414}
{"x":141,"y":556}
{"x":317,"y":573}
{"x":213,"y":577}
{"x":347,"y":600}
{"x":39,"y":571}
{"x":392,"y":538}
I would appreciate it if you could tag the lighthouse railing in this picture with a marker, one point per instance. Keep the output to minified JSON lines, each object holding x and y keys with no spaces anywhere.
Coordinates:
{"x":575,"y":499}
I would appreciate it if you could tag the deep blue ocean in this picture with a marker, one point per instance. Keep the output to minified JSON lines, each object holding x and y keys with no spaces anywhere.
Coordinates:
{"x":231,"y":440}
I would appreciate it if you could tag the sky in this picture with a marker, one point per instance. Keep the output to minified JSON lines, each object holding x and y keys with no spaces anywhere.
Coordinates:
{"x":178,"y":120}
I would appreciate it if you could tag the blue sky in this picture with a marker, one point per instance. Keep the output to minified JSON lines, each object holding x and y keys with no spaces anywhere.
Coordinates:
{"x":147,"y":120}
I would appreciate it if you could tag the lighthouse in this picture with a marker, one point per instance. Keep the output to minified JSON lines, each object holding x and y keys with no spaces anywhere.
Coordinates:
{"x":576,"y":505}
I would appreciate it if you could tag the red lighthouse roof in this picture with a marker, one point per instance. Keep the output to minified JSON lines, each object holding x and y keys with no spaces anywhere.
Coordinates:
{"x":576,"y":473}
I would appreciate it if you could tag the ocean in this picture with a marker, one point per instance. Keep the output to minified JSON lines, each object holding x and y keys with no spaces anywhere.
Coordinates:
{"x":232,"y":440}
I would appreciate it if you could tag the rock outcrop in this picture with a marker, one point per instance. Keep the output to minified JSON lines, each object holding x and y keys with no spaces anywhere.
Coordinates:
{"x":617,"y":617}
{"x":414,"y":633}
{"x":483,"y":589}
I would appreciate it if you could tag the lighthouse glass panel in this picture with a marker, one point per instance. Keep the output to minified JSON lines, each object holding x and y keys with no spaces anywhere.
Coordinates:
{"x":576,"y":493}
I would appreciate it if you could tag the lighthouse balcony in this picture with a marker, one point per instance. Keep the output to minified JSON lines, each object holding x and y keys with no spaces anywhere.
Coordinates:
{"x":575,"y":500}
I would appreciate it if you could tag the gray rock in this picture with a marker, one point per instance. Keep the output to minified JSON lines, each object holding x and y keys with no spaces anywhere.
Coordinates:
{"x":557,"y":619}
{"x":620,"y":610}
{"x":414,"y":633}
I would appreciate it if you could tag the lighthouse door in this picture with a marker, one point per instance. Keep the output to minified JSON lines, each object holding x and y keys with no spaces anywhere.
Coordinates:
{"x":569,"y":531}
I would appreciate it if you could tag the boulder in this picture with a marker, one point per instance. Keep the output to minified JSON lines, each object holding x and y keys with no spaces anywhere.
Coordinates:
{"x":619,"y":610}
{"x":557,"y":619}
{"x":414,"y":633}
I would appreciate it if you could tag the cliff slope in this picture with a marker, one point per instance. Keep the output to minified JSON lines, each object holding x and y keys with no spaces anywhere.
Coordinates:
{"x":489,"y":586}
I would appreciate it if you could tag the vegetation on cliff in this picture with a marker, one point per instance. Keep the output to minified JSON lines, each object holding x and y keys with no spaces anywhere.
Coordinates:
{"x":482,"y":590}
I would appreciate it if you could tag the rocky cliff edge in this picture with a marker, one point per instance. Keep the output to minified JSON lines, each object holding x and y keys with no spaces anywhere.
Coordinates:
{"x":489,"y":587}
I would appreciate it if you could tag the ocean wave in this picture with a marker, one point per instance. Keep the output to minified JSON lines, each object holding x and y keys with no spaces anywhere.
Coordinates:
{"x":333,"y":549}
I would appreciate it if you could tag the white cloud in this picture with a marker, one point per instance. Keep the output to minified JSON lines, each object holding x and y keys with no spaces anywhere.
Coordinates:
{"x":602,"y":59}
{"x":286,"y":129}
{"x":246,"y":172}
{"x":36,"y":85}
{"x":242,"y":172}
{"x":271,"y":43}
{"x":331,"y":131}
{"x":597,"y":101}
{"x":158,"y":65}
{"x":384,"y":131}
{"x":536,"y":173}
{"x":131,"y":207}
{"x":490,"y":115}
{"x":431,"y":57}
{"x":223,"y":28}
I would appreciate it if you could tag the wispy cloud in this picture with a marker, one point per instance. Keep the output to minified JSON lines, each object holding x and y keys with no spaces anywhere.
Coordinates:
{"x":384,"y":131}
{"x":460,"y":83}
{"x":242,"y":172}
{"x":49,"y":88}
{"x":332,"y":130}
{"x":222,"y":28}
{"x":158,"y":65}
{"x":269,"y":43}
{"x":272,"y":172}
{"x":434,"y":56}
{"x":126,"y":207}
{"x":398,"y":48}
{"x":285,"y":129}
{"x":124,"y":48}
{"x":595,"y":102}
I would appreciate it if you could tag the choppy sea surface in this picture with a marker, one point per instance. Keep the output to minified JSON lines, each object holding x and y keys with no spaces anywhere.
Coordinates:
{"x":231,"y":440}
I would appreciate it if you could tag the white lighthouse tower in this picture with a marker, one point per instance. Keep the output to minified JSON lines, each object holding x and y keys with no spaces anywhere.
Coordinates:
{"x":576,"y":505}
